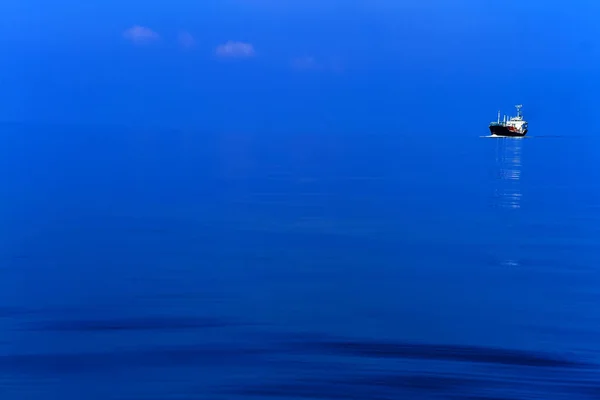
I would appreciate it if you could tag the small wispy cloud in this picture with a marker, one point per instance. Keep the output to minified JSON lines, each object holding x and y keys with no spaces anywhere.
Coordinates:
{"x":235,"y":49}
{"x":306,"y":63}
{"x":186,"y":39}
{"x":140,"y":34}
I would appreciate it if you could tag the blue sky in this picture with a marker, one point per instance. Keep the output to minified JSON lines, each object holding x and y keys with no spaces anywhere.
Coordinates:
{"x":294,"y":65}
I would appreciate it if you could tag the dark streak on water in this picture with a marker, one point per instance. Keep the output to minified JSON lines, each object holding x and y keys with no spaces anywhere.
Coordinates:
{"x":155,"y":323}
{"x":471,"y":354}
{"x":122,"y":360}
{"x":180,"y":266}
{"x":362,"y":388}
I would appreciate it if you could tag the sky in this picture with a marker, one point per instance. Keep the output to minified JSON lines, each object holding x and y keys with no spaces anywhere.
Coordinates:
{"x":296,"y":65}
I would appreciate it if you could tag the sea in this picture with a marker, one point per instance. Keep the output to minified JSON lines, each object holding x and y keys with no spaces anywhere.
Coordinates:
{"x":159,"y":264}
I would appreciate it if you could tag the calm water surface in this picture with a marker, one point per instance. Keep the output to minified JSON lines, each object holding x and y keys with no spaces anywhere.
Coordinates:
{"x":180,"y":265}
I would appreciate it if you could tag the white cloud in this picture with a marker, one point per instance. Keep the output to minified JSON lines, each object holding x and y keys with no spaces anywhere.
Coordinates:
{"x":235,"y":49}
{"x":140,"y":34}
{"x":186,"y":39}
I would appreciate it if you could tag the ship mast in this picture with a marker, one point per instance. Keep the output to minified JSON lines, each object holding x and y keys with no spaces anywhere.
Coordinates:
{"x":519,"y":113}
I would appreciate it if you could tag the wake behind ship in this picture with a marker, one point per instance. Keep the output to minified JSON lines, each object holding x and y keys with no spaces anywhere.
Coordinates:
{"x":515,"y":126}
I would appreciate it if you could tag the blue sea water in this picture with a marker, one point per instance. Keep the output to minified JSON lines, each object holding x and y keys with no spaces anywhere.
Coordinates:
{"x":174,"y":264}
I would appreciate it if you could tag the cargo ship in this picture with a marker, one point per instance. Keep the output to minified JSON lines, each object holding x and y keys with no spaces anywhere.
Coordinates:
{"x":515,"y":126}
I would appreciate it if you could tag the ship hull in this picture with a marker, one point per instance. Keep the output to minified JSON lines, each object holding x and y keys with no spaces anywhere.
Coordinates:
{"x":504,"y":131}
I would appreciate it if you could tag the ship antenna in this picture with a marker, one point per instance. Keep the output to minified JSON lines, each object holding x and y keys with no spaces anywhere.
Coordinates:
{"x":498,"y":116}
{"x":519,"y":113}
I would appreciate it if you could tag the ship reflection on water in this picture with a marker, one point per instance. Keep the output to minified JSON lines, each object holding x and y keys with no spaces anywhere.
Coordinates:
{"x":507,"y":196}
{"x":508,"y":166}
